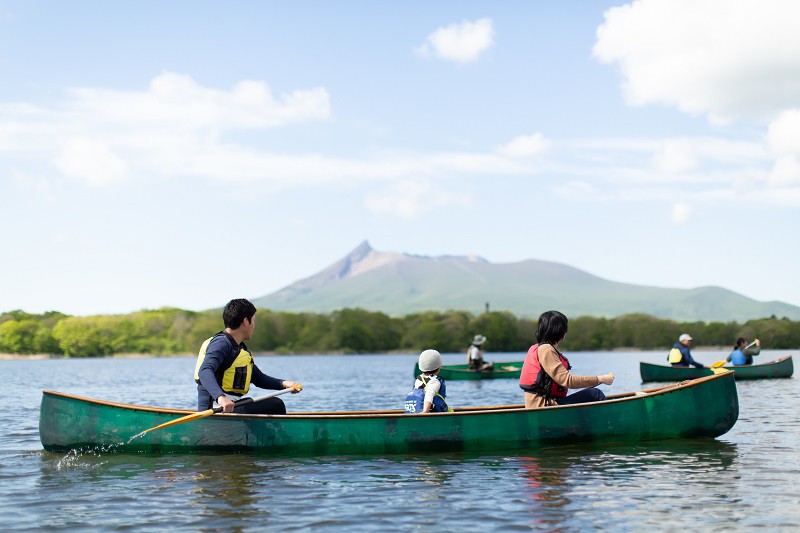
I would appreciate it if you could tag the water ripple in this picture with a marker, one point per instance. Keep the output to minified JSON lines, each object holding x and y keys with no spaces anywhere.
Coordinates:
{"x":745,"y":479}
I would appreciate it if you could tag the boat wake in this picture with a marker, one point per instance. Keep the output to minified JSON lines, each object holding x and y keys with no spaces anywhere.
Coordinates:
{"x":77,"y":459}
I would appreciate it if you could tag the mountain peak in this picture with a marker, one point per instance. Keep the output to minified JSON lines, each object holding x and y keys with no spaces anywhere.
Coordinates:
{"x":360,"y":252}
{"x":402,"y":283}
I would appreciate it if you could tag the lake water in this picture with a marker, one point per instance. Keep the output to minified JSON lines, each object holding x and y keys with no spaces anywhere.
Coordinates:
{"x":749,"y":477}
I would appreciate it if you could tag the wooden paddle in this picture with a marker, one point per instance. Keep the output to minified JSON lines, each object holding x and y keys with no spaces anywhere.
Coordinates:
{"x":209,"y":412}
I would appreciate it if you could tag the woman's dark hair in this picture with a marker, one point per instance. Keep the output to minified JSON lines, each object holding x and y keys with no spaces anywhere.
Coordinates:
{"x":236,"y":311}
{"x":741,"y":341}
{"x":551,"y":328}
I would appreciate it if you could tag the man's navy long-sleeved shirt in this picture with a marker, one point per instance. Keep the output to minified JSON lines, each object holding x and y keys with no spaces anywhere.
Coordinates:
{"x":221,"y":353}
{"x":687,"y":356}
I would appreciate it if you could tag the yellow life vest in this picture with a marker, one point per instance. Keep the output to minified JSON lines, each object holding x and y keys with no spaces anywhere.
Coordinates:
{"x":236,"y":378}
{"x":675,"y":356}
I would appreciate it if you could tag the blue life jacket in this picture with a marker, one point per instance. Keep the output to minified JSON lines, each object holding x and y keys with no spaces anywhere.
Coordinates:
{"x":415,"y":400}
{"x":738,"y":358}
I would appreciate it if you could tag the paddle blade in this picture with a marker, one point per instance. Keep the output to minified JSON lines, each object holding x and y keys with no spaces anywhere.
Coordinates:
{"x":719,"y":369}
{"x":717,"y":364}
{"x":187,"y":418}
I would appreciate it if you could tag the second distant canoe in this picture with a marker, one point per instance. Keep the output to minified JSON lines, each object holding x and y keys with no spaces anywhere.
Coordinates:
{"x":510,"y":370}
{"x":780,"y":368}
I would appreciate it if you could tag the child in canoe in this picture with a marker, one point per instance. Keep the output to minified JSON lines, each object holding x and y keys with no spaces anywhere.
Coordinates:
{"x":546,"y":376}
{"x":429,"y":389}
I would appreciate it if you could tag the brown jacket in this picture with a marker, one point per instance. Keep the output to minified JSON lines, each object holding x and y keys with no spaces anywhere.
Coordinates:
{"x":550,"y":363}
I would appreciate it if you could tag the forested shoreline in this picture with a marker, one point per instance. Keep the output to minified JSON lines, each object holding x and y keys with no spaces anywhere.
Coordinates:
{"x":170,"y":331}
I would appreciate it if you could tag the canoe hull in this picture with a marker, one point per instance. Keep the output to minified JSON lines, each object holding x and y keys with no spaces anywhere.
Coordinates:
{"x":509,"y":370}
{"x":780,"y":368}
{"x":702,"y":408}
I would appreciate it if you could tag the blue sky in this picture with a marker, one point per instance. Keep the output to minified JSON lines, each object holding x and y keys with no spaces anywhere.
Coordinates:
{"x":186,"y":153}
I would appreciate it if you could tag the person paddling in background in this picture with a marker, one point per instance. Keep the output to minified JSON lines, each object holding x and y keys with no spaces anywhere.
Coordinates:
{"x":743,"y":353}
{"x":226,"y":368}
{"x":680,"y":355}
{"x":475,"y":354}
{"x":429,"y":389}
{"x":546,"y":376}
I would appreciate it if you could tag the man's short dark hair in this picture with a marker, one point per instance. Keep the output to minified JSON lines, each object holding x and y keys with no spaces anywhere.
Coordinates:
{"x":552,"y":327}
{"x":236,"y":311}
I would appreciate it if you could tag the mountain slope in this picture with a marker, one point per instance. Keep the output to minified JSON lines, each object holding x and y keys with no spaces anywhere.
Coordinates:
{"x":400,"y":284}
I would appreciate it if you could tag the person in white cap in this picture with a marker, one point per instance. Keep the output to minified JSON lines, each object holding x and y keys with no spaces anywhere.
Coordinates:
{"x":475,"y":354}
{"x":429,"y":389}
{"x":680,"y":355}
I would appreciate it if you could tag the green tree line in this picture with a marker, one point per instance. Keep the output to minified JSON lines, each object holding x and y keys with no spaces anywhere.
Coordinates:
{"x":169,"y":331}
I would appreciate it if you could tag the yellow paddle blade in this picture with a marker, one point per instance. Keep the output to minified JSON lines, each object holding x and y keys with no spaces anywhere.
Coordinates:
{"x":187,"y":418}
{"x":717,"y":364}
{"x":719,"y":369}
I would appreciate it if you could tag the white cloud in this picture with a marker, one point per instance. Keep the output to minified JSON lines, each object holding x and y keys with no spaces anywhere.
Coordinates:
{"x":681,"y":212}
{"x":783,"y":138}
{"x":786,"y":171}
{"x":100,"y":136}
{"x":728,"y":61}
{"x":525,"y":146}
{"x":90,"y":161}
{"x":675,"y":157}
{"x":462,"y":43}
{"x":178,"y":129}
{"x":177,"y":102}
{"x":780,"y":196}
{"x":408,"y":199}
{"x":577,"y":191}
{"x":724,"y":59}
{"x":783,"y":134}
{"x":174,"y":110}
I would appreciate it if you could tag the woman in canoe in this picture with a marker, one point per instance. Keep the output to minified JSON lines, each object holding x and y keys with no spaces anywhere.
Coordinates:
{"x":546,"y":376}
{"x":743,"y":353}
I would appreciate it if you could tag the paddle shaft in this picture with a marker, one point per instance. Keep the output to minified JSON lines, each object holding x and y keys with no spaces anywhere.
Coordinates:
{"x":245,"y":401}
{"x":209,"y":412}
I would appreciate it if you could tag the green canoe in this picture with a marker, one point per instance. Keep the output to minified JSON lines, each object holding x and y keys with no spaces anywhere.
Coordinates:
{"x":706,"y":407}
{"x":780,"y":368}
{"x":462,"y":372}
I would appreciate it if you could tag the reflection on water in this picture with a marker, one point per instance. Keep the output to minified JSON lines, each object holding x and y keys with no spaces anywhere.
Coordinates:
{"x":567,"y":487}
{"x":646,"y":481}
{"x":745,"y":479}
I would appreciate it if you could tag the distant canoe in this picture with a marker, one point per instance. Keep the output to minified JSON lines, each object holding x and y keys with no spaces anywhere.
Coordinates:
{"x":462,"y":372}
{"x":706,"y":407}
{"x":780,"y":368}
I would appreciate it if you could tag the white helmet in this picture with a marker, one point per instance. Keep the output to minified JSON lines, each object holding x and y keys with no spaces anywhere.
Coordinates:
{"x":430,"y":360}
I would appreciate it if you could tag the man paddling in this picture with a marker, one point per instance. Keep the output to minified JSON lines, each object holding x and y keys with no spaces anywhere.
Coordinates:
{"x":475,"y":355}
{"x":226,"y":368}
{"x":681,"y":355}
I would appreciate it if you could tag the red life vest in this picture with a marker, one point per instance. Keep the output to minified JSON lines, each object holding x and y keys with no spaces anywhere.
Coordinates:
{"x":535,"y":380}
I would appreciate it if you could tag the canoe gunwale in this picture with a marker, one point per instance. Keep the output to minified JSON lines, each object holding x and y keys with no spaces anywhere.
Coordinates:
{"x":463,"y":367}
{"x":459,"y":411}
{"x":462,"y":372}
{"x":768,"y":363}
